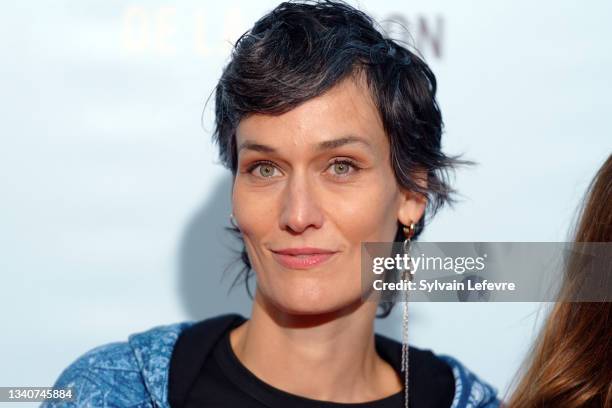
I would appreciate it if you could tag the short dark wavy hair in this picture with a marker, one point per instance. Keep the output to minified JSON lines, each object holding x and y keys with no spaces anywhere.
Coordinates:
{"x":298,"y":51}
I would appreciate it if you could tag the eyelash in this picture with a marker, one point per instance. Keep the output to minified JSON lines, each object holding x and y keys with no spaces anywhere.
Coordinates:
{"x":336,"y":161}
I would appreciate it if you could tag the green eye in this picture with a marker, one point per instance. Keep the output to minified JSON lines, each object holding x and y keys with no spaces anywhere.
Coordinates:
{"x":341,"y":168}
{"x":266,"y":170}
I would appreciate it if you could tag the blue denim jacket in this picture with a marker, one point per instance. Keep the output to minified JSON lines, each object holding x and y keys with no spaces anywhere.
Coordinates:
{"x":135,"y":374}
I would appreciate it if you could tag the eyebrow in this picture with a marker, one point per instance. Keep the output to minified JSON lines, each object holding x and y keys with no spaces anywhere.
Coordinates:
{"x":321,"y":146}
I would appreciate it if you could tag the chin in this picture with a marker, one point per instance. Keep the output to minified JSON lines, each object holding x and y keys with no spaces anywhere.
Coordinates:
{"x":311,"y":301}
{"x":306,"y":308}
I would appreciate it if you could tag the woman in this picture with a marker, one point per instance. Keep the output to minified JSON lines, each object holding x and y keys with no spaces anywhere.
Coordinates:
{"x":571,"y":362}
{"x":332,"y":133}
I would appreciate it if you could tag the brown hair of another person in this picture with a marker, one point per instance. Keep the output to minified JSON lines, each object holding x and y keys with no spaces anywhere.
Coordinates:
{"x":570,"y":364}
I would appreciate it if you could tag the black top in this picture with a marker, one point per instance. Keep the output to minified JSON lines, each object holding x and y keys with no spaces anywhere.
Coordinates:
{"x":205,"y":372}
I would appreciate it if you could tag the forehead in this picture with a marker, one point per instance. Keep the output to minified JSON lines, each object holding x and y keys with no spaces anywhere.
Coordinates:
{"x":345,"y":109}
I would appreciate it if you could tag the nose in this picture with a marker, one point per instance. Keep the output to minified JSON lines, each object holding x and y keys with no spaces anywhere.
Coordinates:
{"x":301,"y":205}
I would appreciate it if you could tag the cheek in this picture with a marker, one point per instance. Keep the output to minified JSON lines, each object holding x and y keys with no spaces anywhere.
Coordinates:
{"x":254,"y":212}
{"x":369,"y":217}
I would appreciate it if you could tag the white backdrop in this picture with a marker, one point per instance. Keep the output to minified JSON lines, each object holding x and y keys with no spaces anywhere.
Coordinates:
{"x":113,"y":202}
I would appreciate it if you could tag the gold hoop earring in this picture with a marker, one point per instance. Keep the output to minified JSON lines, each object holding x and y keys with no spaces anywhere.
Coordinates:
{"x":408,"y":234}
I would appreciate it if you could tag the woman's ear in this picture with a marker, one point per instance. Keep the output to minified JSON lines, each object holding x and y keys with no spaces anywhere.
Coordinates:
{"x":412,"y":204}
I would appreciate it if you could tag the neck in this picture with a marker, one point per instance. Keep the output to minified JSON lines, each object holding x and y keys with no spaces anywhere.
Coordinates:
{"x":330,"y":357}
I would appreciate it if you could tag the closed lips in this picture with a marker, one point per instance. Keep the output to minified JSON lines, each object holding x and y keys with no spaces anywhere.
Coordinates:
{"x":303,"y":251}
{"x":302,"y":258}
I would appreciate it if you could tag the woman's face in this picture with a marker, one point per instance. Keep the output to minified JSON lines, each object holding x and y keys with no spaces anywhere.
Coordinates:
{"x":318,"y":176}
